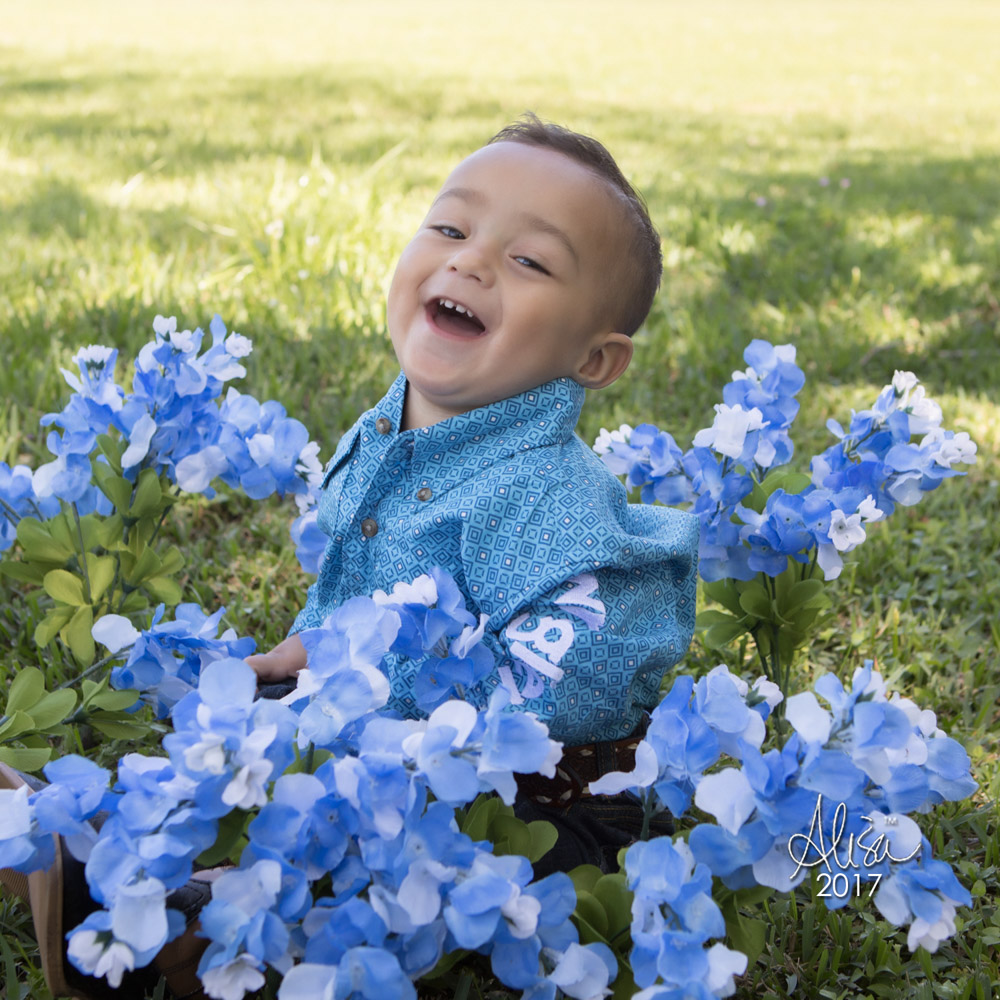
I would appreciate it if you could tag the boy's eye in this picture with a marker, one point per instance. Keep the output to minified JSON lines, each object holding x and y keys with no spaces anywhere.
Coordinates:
{"x":533,"y":264}
{"x":450,"y":231}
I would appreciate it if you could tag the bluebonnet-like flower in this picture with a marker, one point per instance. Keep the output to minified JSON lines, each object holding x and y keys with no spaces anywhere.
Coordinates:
{"x":166,"y":660}
{"x":673,"y":916}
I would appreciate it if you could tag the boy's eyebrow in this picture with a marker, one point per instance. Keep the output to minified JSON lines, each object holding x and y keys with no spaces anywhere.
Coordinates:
{"x":534,"y":221}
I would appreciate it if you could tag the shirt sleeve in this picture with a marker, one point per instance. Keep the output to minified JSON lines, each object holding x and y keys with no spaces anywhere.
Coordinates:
{"x":587,"y":657}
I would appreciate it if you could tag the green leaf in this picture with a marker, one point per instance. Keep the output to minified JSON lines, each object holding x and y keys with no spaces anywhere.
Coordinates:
{"x":230,"y":831}
{"x":136,"y":601}
{"x":722,"y":634}
{"x":101,"y":570}
{"x":585,"y":877}
{"x":172,"y":561}
{"x":479,"y":817}
{"x":38,"y":544}
{"x":26,"y":572}
{"x":543,"y":838}
{"x":147,"y":565}
{"x":708,"y":618}
{"x":594,"y":921}
{"x":510,"y":835}
{"x":114,"y":701}
{"x":110,"y":532}
{"x":112,"y":449}
{"x":27,"y":688}
{"x":54,"y":708}
{"x":800,"y":594}
{"x":63,"y":586}
{"x":148,"y":497}
{"x":119,"y":729}
{"x":724,"y":592}
{"x":116,"y":488}
{"x":25,"y":759}
{"x":613,"y":894}
{"x":47,"y":628}
{"x":77,"y":635}
{"x":745,"y":934}
{"x":755,"y":600}
{"x":163,"y":588}
{"x":16,"y":724}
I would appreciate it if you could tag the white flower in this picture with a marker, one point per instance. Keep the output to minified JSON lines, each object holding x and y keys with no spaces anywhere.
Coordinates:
{"x":846,"y":532}
{"x":868,"y":511}
{"x":164,"y":327}
{"x":929,"y":935}
{"x":607,"y":438}
{"x":808,"y":718}
{"x":769,"y":691}
{"x":275,"y":228}
{"x":139,"y":440}
{"x":521,"y":913}
{"x":723,"y":965}
{"x":115,"y":632}
{"x":423,"y":590}
{"x":581,"y":973}
{"x":194,"y":472}
{"x":729,"y":429}
{"x":726,"y":795}
{"x":957,"y":450}
{"x":238,"y":346}
{"x":233,"y":980}
{"x":91,"y":956}
{"x":261,"y":448}
{"x":208,"y":754}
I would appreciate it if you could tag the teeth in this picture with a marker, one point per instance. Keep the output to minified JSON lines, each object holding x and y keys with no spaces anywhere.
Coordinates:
{"x":457,"y":306}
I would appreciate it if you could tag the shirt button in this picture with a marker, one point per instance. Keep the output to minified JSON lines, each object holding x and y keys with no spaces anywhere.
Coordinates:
{"x":424,"y":493}
{"x":369,"y":527}
{"x":383,"y":425}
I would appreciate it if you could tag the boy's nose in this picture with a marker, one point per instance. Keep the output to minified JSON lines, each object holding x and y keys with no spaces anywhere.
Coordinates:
{"x":472,"y":261}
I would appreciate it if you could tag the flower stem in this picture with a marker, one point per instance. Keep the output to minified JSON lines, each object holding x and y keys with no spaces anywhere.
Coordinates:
{"x":83,"y":554}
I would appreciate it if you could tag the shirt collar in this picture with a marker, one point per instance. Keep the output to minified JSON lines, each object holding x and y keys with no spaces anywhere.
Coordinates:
{"x":544,"y":415}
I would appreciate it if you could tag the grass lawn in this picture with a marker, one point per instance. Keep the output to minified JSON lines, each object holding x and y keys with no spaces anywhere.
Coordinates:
{"x":823,"y":174}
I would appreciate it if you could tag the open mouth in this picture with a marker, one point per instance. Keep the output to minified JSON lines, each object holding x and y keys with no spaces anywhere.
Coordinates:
{"x":454,"y":318}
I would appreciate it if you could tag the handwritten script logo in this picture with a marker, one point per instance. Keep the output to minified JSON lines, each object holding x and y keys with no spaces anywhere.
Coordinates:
{"x":873,"y":851}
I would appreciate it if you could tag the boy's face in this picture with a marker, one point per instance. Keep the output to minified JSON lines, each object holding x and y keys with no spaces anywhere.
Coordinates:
{"x":508,"y":283}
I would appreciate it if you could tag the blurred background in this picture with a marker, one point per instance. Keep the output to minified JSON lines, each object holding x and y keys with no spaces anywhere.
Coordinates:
{"x":823,"y":174}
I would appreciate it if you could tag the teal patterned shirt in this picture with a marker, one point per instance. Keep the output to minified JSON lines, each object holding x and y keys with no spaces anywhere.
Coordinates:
{"x":590,"y":599}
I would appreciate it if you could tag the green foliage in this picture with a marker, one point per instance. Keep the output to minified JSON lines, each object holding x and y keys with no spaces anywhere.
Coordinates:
{"x":91,"y":566}
{"x":487,"y":818}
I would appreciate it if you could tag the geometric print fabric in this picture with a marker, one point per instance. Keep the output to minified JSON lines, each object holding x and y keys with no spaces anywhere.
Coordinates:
{"x":515,"y":506}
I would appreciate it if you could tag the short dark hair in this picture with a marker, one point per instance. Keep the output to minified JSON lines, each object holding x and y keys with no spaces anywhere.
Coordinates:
{"x":644,"y":269}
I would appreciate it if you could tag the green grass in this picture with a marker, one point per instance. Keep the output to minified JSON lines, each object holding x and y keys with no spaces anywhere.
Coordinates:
{"x":145,"y":153}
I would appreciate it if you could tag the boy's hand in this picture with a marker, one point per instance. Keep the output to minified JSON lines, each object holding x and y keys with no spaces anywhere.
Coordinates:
{"x":285,"y":660}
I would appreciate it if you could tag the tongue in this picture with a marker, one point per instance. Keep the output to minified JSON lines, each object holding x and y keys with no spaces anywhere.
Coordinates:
{"x":454,"y":322}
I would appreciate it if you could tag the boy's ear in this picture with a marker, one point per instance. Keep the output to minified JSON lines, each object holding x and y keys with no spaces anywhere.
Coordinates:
{"x":606,"y":361}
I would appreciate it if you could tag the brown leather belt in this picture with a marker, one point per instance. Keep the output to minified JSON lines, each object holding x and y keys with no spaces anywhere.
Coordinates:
{"x":579,"y":766}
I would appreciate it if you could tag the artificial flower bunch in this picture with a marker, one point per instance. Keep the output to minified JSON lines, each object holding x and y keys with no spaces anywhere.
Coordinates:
{"x":833,"y":797}
{"x":754,"y":515}
{"x":174,"y":420}
{"x":352,"y":870}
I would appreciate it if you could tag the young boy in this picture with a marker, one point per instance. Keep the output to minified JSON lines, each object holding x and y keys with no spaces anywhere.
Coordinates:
{"x":522,"y":287}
